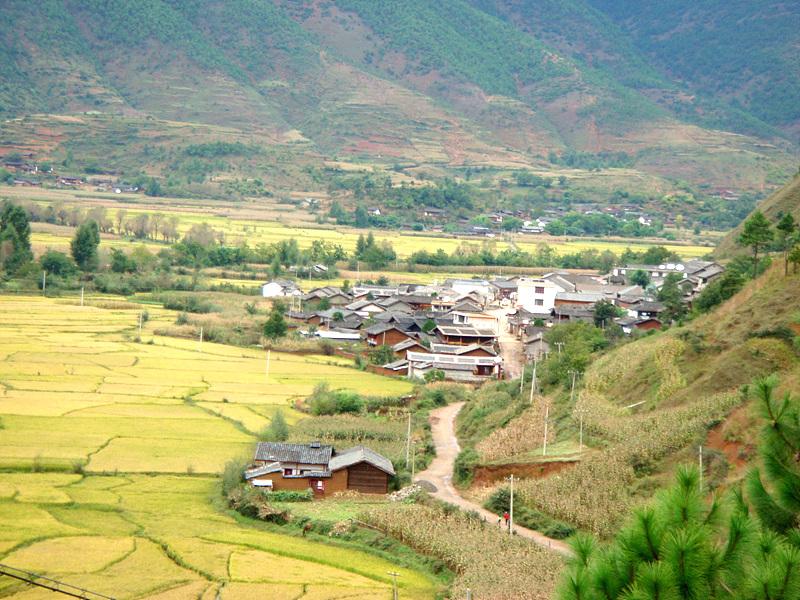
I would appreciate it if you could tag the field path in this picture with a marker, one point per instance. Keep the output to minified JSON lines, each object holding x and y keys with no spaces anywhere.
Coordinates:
{"x":440,"y":475}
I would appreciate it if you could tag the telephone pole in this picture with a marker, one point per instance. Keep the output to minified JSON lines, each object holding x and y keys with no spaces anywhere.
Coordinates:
{"x":394,"y":575}
{"x":546,"y":418}
{"x":408,"y":440}
{"x":511,"y":506}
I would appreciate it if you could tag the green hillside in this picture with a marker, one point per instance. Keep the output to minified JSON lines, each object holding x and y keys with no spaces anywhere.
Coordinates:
{"x":420,"y":89}
{"x":785,"y":200}
{"x":742,"y":52}
{"x":646,"y":406}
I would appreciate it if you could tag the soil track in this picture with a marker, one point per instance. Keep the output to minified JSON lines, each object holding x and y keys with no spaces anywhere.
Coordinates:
{"x":440,"y":475}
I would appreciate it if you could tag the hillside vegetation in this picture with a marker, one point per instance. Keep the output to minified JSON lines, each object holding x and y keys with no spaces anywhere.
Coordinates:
{"x":784,"y":201}
{"x":417,"y":89}
{"x":650,"y":403}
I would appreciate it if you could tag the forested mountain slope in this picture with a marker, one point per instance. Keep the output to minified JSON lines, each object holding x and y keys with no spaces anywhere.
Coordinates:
{"x":489,"y":83}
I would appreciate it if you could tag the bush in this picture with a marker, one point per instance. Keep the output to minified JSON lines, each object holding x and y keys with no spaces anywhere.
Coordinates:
{"x":290,"y":496}
{"x":233,"y":474}
{"x":323,"y":401}
{"x":277,"y":430}
{"x":463,"y":468}
{"x":187,"y":303}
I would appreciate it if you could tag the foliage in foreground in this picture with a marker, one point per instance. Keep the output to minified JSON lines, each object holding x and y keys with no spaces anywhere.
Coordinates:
{"x":778,"y":508}
{"x":682,"y":547}
{"x":492,"y":564}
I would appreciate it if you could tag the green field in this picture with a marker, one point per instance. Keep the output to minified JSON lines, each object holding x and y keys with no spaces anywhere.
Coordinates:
{"x":110,"y":449}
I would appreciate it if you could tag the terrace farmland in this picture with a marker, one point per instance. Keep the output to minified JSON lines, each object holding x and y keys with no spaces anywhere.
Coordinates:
{"x":110,"y":448}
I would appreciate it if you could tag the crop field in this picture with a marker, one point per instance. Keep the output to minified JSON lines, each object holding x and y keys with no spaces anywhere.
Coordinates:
{"x":110,"y":448}
{"x":268,"y":222}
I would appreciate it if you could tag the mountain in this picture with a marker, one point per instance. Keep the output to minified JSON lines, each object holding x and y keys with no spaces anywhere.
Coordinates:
{"x":419,"y":89}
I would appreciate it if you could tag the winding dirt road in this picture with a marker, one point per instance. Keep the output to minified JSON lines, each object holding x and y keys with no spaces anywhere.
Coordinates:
{"x":440,"y":475}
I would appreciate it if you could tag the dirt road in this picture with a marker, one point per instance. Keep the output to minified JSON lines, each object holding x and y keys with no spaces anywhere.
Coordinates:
{"x":511,"y":349}
{"x":440,"y":475}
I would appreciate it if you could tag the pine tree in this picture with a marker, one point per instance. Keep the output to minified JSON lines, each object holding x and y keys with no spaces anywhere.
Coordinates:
{"x":684,"y":548}
{"x":84,"y":245}
{"x":778,"y":509}
{"x":756,"y":233}
{"x":787,"y":236}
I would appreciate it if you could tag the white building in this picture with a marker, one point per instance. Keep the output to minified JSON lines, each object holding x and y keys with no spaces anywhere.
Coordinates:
{"x":537,"y":296}
{"x":280,"y":288}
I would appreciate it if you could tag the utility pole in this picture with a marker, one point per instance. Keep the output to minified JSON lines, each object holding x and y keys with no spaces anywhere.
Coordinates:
{"x":141,"y":318}
{"x":522,"y":380}
{"x":413,"y":460}
{"x":533,"y":379}
{"x":511,"y":507}
{"x":44,"y":282}
{"x":559,"y":345}
{"x":546,"y":417}
{"x":700,"y":460}
{"x":408,"y":440}
{"x":394,"y":575}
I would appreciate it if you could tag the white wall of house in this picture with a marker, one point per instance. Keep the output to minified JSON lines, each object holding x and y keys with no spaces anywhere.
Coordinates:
{"x":537,"y":295}
{"x":272,"y":290}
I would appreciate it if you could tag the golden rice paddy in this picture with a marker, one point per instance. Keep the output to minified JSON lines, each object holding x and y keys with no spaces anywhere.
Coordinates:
{"x":138,"y":432}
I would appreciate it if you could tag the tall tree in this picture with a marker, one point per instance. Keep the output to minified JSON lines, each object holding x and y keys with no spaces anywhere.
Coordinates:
{"x":684,"y":548}
{"x":756,"y":234}
{"x":787,"y":236}
{"x":641,"y":278}
{"x":84,"y":245}
{"x":15,"y":237}
{"x":672,"y":296}
{"x":778,"y":509}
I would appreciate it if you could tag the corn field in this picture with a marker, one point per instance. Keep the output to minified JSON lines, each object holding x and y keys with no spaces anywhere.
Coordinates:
{"x":486,"y":560}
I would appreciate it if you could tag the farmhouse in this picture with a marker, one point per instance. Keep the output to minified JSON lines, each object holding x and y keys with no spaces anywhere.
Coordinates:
{"x":315,"y":466}
{"x":280,"y":288}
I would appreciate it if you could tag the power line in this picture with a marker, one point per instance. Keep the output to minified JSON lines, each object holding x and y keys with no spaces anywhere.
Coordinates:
{"x":50,"y":584}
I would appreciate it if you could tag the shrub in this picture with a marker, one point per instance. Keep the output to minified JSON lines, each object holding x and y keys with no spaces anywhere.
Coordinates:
{"x":277,"y":430}
{"x":233,"y":474}
{"x":290,"y":496}
{"x":323,"y":401}
{"x":463,"y":468}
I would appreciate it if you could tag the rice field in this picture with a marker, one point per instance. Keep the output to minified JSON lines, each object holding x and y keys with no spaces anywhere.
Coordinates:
{"x":267,"y":222}
{"x":109,"y":450}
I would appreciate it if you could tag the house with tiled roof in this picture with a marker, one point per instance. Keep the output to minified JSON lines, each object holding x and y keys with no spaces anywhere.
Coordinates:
{"x":316,"y":466}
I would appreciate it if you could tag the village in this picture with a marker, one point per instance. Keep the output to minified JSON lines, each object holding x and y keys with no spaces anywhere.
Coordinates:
{"x":471,"y":330}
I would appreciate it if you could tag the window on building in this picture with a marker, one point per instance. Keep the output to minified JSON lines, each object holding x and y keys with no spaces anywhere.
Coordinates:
{"x":539,"y":289}
{"x":287,"y":471}
{"x":539,"y":302}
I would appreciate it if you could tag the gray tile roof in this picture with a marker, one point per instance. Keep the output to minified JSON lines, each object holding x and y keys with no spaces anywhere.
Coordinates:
{"x":263,"y":470}
{"x":359,"y":454}
{"x":293,"y":453}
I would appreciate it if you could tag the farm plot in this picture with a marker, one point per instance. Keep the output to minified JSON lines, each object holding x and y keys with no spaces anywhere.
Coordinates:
{"x":137,"y":433}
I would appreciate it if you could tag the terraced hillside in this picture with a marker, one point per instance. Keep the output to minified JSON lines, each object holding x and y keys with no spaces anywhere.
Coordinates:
{"x":648,"y":405}
{"x":437,"y":86}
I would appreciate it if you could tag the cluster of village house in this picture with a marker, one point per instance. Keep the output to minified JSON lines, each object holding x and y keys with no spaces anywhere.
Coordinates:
{"x":454,"y":327}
